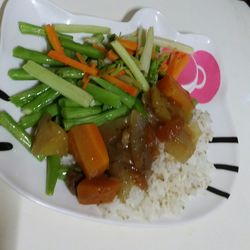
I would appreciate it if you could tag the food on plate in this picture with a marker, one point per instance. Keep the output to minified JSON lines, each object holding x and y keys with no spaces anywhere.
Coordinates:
{"x":113,"y":103}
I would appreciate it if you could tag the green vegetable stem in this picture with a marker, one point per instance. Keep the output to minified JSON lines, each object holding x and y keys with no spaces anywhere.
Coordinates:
{"x":28,"y":95}
{"x":28,"y":121}
{"x":17,"y":131}
{"x":35,"y":56}
{"x":98,"y":119}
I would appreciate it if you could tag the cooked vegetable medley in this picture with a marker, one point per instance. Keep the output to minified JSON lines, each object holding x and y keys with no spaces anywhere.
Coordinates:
{"x":109,"y":101}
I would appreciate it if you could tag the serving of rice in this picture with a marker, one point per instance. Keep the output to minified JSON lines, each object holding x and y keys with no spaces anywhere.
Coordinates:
{"x":171,"y":183}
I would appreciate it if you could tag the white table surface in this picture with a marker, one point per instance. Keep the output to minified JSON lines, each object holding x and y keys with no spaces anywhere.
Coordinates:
{"x":24,"y":225}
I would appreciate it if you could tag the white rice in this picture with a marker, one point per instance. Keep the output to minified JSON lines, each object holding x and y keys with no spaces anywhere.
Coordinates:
{"x":170,"y":185}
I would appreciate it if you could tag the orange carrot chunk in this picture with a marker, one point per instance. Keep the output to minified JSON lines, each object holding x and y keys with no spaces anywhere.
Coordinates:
{"x":121,"y":84}
{"x":98,"y":190}
{"x":87,"y":146}
{"x":53,"y":38}
{"x":128,"y":44}
{"x":178,"y":61}
{"x":73,"y":63}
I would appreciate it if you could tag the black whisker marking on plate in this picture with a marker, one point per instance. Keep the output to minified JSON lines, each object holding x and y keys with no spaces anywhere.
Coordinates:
{"x":4,"y":96}
{"x":225,"y":139}
{"x":4,"y":146}
{"x":232,"y":168}
{"x":218,"y":192}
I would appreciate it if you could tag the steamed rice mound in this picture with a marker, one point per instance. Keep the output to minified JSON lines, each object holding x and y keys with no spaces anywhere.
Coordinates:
{"x":171,"y":183}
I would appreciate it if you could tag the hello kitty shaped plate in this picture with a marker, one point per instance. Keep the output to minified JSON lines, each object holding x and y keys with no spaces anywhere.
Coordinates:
{"x":202,"y":77}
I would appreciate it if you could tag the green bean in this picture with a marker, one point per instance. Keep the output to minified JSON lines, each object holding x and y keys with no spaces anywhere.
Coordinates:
{"x":27,"y":28}
{"x":63,"y":172}
{"x":20,"y":74}
{"x":65,"y":103}
{"x":125,"y":98}
{"x":65,"y":169}
{"x":53,"y":171}
{"x":35,"y":56}
{"x":26,"y":96}
{"x":68,"y":72}
{"x":64,"y":72}
{"x":70,"y":53}
{"x":85,"y":49}
{"x":17,"y":131}
{"x":40,"y":101}
{"x":28,"y":121}
{"x":103,"y":96}
{"x":75,"y":112}
{"x":98,"y":119}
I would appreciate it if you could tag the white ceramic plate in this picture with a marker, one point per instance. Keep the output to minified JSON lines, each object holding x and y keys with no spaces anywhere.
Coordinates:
{"x":26,"y":175}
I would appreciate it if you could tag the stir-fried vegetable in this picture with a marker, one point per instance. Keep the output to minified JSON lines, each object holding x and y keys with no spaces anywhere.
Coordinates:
{"x":53,"y":38}
{"x":108,"y":100}
{"x":65,"y":88}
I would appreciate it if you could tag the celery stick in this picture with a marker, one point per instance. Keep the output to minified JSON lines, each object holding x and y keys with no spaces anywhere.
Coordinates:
{"x":57,"y":83}
{"x":164,"y":42}
{"x":147,"y":51}
{"x":121,"y":51}
{"x":81,"y":28}
{"x":140,"y":41}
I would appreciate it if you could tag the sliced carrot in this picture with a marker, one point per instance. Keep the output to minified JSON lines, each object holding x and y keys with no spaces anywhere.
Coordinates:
{"x":112,"y":56}
{"x":96,"y":46}
{"x":98,"y":190}
{"x":80,"y":57}
{"x":85,"y":81}
{"x":128,"y":44}
{"x":87,"y":146}
{"x":177,"y":63}
{"x":121,"y":84}
{"x":120,"y":73}
{"x":53,"y":38}
{"x":73,"y":63}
